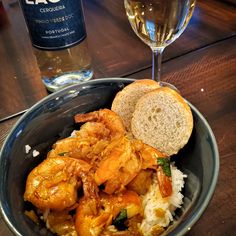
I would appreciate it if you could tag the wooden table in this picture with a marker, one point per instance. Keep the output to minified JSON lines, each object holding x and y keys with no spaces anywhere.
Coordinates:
{"x":201,"y":63}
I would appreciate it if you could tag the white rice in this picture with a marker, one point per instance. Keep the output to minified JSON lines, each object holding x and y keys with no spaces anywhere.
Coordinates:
{"x":35,"y":153}
{"x":157,"y":210}
{"x":73,"y":134}
{"x":27,"y":148}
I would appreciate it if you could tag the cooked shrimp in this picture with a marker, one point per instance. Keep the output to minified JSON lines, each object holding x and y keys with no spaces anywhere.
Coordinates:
{"x":107,"y":117}
{"x":89,"y":224}
{"x":164,"y":183}
{"x":87,"y":149}
{"x":101,"y":154}
{"x":93,"y":129}
{"x":123,"y":160}
{"x":53,"y":183}
{"x":90,"y":139}
{"x":149,"y":156}
{"x":66,"y":146}
{"x":127,"y":199}
{"x":118,"y":166}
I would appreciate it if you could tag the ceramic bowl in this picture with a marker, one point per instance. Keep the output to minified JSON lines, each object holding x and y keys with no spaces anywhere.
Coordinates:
{"x":52,"y":118}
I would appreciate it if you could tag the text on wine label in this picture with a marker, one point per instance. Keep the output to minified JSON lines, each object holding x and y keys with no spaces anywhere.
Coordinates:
{"x":36,"y":2}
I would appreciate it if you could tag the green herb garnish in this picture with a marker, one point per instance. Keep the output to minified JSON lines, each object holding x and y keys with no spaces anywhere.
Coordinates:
{"x":62,"y":154}
{"x":120,"y":219}
{"x":164,"y":162}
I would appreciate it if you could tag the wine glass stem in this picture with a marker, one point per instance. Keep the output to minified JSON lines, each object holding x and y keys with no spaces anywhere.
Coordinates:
{"x":156,"y":64}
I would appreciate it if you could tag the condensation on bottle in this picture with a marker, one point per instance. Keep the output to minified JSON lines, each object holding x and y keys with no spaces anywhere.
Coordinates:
{"x":58,"y":35}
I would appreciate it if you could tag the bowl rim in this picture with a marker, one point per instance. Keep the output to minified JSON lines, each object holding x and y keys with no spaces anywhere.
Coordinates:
{"x":189,"y":222}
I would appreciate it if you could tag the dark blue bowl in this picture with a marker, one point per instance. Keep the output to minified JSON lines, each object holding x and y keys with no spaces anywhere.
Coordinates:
{"x":52,"y":118}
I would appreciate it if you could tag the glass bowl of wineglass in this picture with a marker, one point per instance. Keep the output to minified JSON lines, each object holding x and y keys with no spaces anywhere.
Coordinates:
{"x":158,"y":23}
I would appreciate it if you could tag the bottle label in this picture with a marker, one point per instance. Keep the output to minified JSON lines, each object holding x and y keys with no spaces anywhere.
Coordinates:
{"x":54,"y":24}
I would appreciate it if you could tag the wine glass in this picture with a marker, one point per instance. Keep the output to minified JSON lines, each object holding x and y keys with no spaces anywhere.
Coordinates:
{"x":158,"y":23}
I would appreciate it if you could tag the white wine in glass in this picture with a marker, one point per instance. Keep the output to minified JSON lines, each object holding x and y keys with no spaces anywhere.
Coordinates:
{"x":158,"y":23}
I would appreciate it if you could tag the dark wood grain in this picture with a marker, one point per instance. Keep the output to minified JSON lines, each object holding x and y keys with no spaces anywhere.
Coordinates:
{"x":20,"y":83}
{"x":4,"y":130}
{"x":123,"y":52}
{"x":203,"y":74}
{"x":230,"y":2}
{"x":115,"y":49}
{"x":206,"y":77}
{"x":201,"y":63}
{"x":4,"y":230}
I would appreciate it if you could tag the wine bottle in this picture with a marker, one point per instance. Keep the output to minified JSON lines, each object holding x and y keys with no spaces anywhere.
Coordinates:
{"x":58,"y":35}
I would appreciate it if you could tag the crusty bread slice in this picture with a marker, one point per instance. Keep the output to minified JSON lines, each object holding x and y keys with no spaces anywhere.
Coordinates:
{"x":125,"y":101}
{"x":163,"y":120}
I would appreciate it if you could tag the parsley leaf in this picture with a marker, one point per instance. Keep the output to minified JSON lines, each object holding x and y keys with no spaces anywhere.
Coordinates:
{"x":120,"y":219}
{"x":164,"y":162}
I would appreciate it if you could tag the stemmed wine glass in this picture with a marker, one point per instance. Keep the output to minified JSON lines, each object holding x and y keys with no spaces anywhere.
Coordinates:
{"x":158,"y":23}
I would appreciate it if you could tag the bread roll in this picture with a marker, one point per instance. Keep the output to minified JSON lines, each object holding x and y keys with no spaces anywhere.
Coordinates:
{"x":125,"y":101}
{"x":163,"y":120}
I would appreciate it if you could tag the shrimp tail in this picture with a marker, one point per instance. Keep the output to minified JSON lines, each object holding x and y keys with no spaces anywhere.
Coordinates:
{"x":164,"y":182}
{"x":87,"y":117}
{"x":105,"y":116}
{"x":91,"y":191}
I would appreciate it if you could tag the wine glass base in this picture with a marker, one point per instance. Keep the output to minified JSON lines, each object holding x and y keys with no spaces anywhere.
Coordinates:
{"x":171,"y":86}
